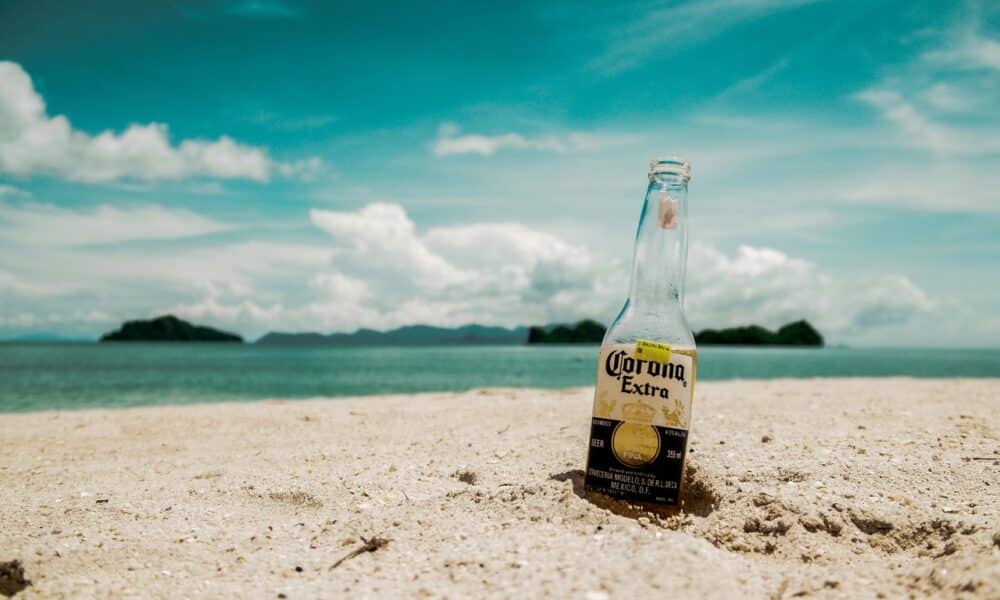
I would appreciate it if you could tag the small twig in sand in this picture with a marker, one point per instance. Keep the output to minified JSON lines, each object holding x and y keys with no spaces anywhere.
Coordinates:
{"x":986,"y":458}
{"x":369,"y":545}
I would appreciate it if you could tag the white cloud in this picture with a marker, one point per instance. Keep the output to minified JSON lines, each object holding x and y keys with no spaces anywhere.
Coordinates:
{"x":673,"y":26}
{"x":918,"y":129}
{"x":936,"y":186}
{"x":768,"y":287}
{"x":11,"y":191}
{"x":948,"y":98}
{"x":503,"y":273}
{"x":381,"y":237}
{"x":340,"y":287}
{"x":941,"y":106}
{"x":967,"y":49}
{"x":944,"y":100}
{"x":306,"y":169}
{"x":379,"y":270}
{"x":32,"y":142}
{"x":450,"y":142}
{"x":14,"y":285}
{"x":49,"y":225}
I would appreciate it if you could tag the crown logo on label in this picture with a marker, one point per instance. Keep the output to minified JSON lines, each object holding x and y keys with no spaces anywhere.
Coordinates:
{"x":605,"y":407}
{"x":638,"y":412}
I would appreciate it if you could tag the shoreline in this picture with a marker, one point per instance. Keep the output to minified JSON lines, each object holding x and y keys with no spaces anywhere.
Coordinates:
{"x":827,"y":487}
{"x":487,"y":389}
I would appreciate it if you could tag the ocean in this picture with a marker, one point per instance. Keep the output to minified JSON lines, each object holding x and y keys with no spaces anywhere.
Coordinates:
{"x":74,"y":376}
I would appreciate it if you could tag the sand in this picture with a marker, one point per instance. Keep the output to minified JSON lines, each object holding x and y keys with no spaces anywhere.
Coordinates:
{"x":819,"y":488}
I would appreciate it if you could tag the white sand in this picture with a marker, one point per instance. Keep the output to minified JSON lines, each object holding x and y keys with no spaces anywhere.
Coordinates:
{"x":865,"y":487}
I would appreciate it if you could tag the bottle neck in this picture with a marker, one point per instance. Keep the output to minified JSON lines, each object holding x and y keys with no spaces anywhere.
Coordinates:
{"x":660,"y":259}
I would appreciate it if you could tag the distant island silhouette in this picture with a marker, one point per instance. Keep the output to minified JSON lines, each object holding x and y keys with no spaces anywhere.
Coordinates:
{"x":584,"y":332}
{"x":411,"y":335}
{"x":587,"y":331}
{"x":167,"y":328}
{"x":798,"y":333}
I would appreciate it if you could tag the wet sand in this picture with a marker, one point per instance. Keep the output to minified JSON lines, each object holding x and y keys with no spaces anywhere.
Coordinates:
{"x":818,"y":488}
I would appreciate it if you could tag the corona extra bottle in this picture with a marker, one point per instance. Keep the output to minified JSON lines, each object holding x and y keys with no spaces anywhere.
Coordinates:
{"x":646,"y":370}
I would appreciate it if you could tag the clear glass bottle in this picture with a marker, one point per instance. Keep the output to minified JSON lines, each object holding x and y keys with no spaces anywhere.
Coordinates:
{"x":645,"y":378}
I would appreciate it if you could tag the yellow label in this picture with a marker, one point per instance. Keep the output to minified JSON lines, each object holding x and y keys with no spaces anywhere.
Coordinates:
{"x":655,"y":351}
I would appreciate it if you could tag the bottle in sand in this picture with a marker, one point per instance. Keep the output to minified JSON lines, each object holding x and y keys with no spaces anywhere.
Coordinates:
{"x":646,"y":370}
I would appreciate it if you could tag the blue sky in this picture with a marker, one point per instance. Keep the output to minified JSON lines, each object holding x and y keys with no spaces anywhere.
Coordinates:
{"x":288,"y":165}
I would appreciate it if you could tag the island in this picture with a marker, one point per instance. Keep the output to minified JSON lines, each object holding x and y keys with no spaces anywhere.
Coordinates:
{"x":168,"y":328}
{"x":412,"y":335}
{"x":798,"y":333}
{"x":584,"y":332}
{"x":587,"y":331}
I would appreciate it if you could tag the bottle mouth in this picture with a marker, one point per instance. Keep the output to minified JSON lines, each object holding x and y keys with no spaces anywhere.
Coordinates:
{"x":670,"y":166}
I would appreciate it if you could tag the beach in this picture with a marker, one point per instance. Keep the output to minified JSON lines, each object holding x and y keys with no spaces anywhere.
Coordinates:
{"x":886,"y":487}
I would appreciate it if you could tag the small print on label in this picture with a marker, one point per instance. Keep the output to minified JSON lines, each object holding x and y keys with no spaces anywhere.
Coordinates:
{"x":654,"y":351}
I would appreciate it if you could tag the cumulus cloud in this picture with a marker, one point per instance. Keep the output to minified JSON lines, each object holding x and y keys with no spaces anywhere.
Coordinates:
{"x":766,"y":286}
{"x":376,"y":268}
{"x":384,"y":272}
{"x":486,"y":272}
{"x":381,"y":238}
{"x":33,"y":142}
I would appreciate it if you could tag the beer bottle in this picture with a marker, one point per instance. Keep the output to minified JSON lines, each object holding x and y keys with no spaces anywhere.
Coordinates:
{"x":646,"y":370}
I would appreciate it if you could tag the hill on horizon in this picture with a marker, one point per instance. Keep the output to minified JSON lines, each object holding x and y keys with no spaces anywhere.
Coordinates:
{"x":167,"y":328}
{"x":587,"y":331}
{"x":410,"y":335}
{"x":796,"y":333}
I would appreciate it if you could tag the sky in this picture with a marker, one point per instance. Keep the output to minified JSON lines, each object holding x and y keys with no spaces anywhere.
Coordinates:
{"x":280,"y":165}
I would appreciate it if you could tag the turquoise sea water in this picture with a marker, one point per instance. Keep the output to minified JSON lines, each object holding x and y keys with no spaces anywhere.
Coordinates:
{"x":67,"y":376}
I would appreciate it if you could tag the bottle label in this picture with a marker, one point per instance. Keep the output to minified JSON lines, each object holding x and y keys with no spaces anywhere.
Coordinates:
{"x":638,"y":434}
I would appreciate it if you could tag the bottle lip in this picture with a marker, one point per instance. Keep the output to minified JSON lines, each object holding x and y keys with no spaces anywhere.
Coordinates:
{"x":670,"y":165}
